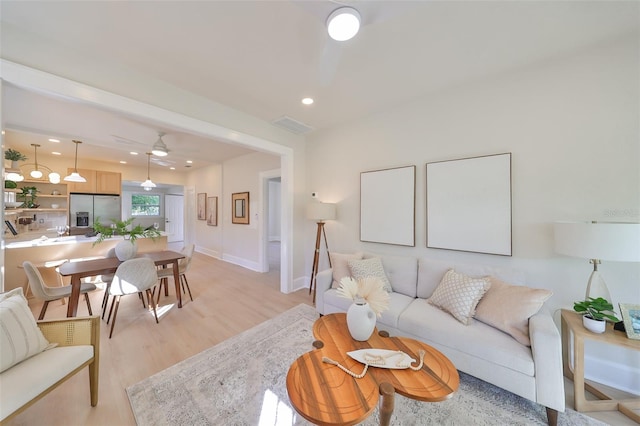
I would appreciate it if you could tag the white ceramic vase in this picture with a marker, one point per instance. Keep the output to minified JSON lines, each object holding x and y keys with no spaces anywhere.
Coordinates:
{"x":595,"y":326}
{"x":361,"y":320}
{"x":125,"y":250}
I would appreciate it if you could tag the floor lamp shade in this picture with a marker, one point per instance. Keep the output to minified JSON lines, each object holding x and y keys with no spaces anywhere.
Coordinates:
{"x":321,"y":211}
{"x":597,"y":241}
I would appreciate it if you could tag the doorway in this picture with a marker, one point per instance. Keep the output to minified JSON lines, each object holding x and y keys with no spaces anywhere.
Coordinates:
{"x":271,"y":225}
{"x":174,"y":217}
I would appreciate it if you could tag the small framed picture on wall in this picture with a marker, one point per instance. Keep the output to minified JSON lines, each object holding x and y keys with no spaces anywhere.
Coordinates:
{"x":212,"y":211}
{"x":240,"y":208}
{"x":201,"y":205}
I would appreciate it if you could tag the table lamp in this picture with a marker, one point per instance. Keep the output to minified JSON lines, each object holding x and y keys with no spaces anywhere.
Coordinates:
{"x":320,"y":212}
{"x":597,"y":241}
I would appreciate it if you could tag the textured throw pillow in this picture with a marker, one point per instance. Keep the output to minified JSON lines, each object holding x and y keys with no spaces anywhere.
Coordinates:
{"x":20,"y":337}
{"x":340,"y":266}
{"x":459,"y":294}
{"x":372,"y":267}
{"x":509,"y":307}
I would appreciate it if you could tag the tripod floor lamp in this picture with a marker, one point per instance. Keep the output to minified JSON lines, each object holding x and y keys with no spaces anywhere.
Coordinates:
{"x":320,"y":212}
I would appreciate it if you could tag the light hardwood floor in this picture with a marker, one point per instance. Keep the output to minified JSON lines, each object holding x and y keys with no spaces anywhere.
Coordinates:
{"x":227,"y":300}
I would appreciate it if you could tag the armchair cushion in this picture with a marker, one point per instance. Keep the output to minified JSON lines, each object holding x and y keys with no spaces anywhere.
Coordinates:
{"x":20,"y":337}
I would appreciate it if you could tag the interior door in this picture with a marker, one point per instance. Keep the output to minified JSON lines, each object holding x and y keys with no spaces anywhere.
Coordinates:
{"x":174,"y":217}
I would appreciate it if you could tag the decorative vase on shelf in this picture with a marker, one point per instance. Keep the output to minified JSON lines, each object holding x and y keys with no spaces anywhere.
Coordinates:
{"x":126,"y":250}
{"x":361,"y":320}
{"x":593,"y":325}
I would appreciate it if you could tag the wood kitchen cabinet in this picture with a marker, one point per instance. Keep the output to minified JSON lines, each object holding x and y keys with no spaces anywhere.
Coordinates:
{"x":98,"y":182}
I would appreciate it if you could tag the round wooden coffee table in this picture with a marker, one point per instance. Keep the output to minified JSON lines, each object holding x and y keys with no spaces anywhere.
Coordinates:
{"x":324,"y":394}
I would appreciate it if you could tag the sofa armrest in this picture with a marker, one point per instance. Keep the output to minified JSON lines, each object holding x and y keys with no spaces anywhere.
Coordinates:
{"x":546,"y":348}
{"x":323,"y":283}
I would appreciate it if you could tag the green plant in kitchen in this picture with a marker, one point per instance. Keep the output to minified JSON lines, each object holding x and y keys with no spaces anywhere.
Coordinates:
{"x":29,"y":195}
{"x":13,"y":155}
{"x":123,"y":228}
{"x":596,"y":308}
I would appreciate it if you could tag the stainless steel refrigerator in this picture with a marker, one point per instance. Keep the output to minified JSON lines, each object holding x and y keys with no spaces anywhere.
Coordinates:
{"x":85,"y":209}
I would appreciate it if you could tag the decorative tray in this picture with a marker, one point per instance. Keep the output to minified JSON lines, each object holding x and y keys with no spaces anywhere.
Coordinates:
{"x":382,"y":358}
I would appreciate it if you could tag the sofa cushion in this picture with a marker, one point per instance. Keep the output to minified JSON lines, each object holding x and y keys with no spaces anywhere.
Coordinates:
{"x":430,"y":324}
{"x":402,"y":272}
{"x":509,"y":307}
{"x":459,"y":294}
{"x":365,"y":268}
{"x":20,"y":337}
{"x":431,"y":271}
{"x":33,"y":376}
{"x":340,"y":266}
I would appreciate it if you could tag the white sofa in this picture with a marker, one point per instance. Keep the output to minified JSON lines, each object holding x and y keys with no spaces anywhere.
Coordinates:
{"x":477,"y":349}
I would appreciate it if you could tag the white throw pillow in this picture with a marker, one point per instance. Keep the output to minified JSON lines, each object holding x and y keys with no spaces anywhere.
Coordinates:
{"x":459,"y":294}
{"x":20,"y":337}
{"x":340,"y":266}
{"x":372,"y":267}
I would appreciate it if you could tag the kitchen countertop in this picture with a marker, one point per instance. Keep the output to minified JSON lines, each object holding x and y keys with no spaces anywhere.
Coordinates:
{"x":51,"y":241}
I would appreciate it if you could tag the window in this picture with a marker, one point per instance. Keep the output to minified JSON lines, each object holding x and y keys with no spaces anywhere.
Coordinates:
{"x":145,"y":205}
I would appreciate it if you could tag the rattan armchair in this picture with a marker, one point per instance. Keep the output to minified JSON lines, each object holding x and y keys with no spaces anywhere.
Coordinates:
{"x":81,"y":331}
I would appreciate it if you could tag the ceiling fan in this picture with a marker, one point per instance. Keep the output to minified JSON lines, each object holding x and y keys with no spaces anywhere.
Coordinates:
{"x":370,"y":12}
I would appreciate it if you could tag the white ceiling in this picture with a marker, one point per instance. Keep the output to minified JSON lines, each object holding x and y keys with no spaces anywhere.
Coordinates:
{"x":262,"y":57}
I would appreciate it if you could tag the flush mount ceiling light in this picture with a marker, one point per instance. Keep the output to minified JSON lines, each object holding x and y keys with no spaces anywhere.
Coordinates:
{"x":75,"y":176}
{"x":159,"y":148}
{"x":343,"y":23}
{"x":148,"y":185}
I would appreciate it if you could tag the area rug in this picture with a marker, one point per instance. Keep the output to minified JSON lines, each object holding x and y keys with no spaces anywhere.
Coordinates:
{"x":242,"y":381}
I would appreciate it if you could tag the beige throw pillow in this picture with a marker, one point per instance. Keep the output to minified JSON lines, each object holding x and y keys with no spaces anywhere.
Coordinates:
{"x":371,"y":267}
{"x":340,"y":266}
{"x":509,"y":307}
{"x":459,"y":294}
{"x":20,"y":337}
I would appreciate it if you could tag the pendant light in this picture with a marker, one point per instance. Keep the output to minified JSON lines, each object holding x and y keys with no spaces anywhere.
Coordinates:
{"x":147,"y":184}
{"x":35,"y":173}
{"x":75,"y":176}
{"x":159,"y":148}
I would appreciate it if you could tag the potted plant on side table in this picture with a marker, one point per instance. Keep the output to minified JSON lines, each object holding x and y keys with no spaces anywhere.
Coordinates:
{"x":127,"y":248}
{"x":595,"y":312}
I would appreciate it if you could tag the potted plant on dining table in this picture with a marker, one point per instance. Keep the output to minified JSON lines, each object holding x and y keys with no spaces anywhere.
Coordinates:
{"x":127,"y":248}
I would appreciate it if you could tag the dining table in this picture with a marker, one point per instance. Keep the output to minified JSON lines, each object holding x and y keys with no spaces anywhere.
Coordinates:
{"x":88,"y":268}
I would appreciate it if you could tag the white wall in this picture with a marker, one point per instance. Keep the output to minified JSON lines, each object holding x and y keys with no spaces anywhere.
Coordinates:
{"x":241,"y":243}
{"x":572,"y":126}
{"x":208,"y":239}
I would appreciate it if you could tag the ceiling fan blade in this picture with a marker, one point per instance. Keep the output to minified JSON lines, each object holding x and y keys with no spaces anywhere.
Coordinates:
{"x":329,"y":62}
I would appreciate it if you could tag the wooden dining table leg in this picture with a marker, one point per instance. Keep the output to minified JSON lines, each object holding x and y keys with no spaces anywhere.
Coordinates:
{"x":176,"y":280}
{"x":72,"y":306}
{"x":387,"y":404}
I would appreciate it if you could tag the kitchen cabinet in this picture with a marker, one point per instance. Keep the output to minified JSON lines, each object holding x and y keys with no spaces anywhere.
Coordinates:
{"x":98,"y":182}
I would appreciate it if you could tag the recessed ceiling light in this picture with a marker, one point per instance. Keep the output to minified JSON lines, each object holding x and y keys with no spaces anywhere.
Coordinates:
{"x":343,"y":23}
{"x":307,"y":101}
{"x":54,"y":140}
{"x":123,"y":162}
{"x":55,"y":153}
{"x":172,"y":168}
{"x":133,"y":153}
{"x":189,"y":162}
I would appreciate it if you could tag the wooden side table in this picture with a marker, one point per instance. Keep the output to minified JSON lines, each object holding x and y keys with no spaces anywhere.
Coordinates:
{"x":572,"y":326}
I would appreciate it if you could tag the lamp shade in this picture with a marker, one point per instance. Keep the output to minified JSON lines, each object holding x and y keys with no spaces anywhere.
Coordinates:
{"x":321,"y":211}
{"x":613,"y":241}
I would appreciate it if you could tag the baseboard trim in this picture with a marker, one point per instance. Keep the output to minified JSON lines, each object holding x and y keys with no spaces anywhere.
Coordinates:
{"x":612,"y":374}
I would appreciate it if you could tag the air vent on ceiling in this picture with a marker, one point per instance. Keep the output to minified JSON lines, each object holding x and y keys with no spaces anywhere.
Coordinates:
{"x":292,"y":125}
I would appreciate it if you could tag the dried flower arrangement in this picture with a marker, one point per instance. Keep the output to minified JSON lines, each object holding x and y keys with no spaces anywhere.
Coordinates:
{"x":370,"y":289}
